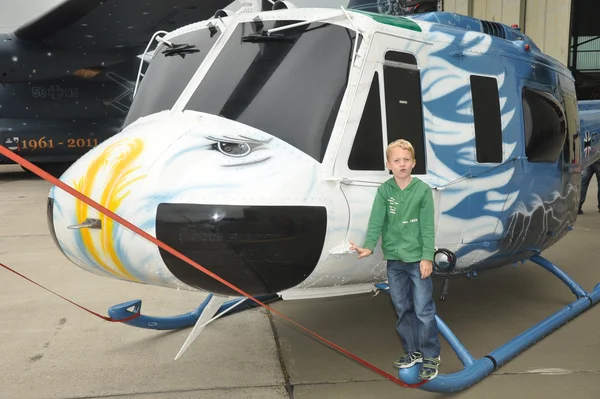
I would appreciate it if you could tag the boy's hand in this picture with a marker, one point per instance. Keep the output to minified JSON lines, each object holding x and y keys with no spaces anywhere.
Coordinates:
{"x":426,"y":268}
{"x":362,"y":252}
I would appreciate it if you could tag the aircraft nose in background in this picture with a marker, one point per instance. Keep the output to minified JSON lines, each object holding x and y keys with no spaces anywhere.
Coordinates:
{"x":260,"y":249}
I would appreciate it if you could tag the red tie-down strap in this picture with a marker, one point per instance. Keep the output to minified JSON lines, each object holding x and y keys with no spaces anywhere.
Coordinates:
{"x":70,"y":301}
{"x":28,"y":165}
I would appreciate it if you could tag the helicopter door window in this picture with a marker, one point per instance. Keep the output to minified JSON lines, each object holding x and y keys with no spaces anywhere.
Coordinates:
{"x":572,"y":143}
{"x":486,"y":114}
{"x":367,"y":149}
{"x":170,"y":71}
{"x":403,"y":103}
{"x":545,"y":127}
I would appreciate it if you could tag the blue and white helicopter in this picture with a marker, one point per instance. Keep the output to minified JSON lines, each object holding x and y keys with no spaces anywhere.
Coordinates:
{"x":256,"y":142}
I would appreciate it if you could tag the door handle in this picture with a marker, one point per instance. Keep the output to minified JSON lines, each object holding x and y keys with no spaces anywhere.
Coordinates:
{"x":87,"y":224}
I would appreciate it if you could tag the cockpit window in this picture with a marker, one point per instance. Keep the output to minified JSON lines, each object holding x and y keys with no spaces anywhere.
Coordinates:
{"x":170,"y":71}
{"x":289,"y":84}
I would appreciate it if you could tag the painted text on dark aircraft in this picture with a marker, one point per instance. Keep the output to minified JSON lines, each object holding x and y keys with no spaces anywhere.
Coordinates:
{"x":54,"y":92}
{"x":44,"y":143}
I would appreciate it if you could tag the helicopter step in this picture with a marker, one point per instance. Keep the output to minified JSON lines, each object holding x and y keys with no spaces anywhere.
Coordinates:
{"x":444,"y":293}
{"x":128,"y":309}
{"x":477,"y":369}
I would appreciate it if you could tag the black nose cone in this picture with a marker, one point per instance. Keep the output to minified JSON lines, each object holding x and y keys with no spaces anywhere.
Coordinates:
{"x":260,"y":249}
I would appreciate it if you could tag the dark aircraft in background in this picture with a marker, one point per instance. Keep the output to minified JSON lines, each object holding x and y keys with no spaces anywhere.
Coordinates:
{"x":67,"y":77}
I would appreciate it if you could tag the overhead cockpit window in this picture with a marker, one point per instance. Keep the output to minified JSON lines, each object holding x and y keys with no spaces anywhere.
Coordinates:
{"x":289,"y":83}
{"x":170,"y":71}
{"x":545,"y":126}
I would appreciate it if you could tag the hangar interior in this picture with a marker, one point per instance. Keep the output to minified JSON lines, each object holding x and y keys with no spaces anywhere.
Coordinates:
{"x":559,"y":27}
{"x":584,"y":50}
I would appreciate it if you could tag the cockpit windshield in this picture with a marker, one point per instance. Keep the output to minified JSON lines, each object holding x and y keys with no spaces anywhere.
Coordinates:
{"x":289,"y":84}
{"x":170,"y":71}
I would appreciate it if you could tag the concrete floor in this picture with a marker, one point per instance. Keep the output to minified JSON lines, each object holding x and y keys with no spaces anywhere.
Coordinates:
{"x":51,"y":349}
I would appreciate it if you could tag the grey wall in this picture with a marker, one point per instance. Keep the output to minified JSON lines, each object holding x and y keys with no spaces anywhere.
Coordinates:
{"x":17,"y":12}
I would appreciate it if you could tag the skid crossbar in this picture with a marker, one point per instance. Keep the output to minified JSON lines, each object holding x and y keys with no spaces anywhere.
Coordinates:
{"x":477,"y":369}
{"x":128,"y":309}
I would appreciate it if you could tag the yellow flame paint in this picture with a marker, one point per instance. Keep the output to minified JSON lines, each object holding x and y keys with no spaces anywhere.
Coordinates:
{"x":120,"y":158}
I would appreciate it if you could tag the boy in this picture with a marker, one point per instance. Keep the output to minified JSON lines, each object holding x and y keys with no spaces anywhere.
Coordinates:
{"x":403,"y":212}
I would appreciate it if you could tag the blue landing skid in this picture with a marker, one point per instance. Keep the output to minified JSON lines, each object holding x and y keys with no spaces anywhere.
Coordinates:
{"x":128,"y":309}
{"x":476,"y":370}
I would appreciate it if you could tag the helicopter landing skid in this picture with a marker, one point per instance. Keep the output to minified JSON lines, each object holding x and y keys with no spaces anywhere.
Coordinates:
{"x":128,"y":309}
{"x":477,"y":369}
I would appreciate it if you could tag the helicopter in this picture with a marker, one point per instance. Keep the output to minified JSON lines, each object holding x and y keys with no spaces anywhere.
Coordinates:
{"x":256,"y":140}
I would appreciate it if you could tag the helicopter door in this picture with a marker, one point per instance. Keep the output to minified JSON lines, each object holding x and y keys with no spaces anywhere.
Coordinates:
{"x":572,"y":153}
{"x":389,"y":107}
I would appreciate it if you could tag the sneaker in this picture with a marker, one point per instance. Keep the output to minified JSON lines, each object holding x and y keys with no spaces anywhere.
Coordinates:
{"x":429,"y":368}
{"x":580,"y":212}
{"x":408,"y":360}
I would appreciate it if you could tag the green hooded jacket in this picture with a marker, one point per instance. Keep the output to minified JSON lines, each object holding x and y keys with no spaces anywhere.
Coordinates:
{"x":405,"y":218}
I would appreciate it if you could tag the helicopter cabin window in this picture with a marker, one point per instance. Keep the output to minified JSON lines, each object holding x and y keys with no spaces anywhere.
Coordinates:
{"x":486,"y":115}
{"x":170,"y":71}
{"x":403,"y":103}
{"x":545,"y":127}
{"x":289,"y":84}
{"x":367,"y":149}
{"x":572,"y":149}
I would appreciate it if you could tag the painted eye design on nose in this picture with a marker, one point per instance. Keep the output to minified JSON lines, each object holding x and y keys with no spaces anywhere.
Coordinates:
{"x":233,"y":149}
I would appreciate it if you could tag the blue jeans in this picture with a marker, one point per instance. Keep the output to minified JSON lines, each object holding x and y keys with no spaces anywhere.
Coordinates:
{"x":412,"y":297}
{"x":586,"y":177}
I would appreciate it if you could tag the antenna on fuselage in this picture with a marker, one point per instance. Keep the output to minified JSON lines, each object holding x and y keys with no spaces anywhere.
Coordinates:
{"x":250,"y":6}
{"x":282,"y":5}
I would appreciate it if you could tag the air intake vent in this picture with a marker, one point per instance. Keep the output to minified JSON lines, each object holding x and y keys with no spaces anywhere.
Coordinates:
{"x":494,"y":29}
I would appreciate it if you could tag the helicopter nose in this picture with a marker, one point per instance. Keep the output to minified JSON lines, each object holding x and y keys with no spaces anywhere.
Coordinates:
{"x":234,"y":199}
{"x":50,"y":220}
{"x":259,"y":249}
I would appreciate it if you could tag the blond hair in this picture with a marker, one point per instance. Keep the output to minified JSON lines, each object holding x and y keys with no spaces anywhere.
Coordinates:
{"x":401,"y":143}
